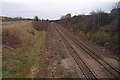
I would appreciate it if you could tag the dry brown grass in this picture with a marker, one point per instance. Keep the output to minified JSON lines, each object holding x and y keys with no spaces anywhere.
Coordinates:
{"x":18,"y":60}
{"x":40,"y":25}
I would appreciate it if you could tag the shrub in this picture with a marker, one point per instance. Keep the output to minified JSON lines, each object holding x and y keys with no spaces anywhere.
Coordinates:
{"x":11,"y":39}
{"x":40,"y":25}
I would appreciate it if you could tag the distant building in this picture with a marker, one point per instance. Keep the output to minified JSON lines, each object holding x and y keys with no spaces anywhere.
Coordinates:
{"x":117,"y":9}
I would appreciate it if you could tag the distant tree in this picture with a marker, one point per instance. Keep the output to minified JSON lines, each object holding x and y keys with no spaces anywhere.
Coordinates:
{"x":74,"y":16}
{"x":103,"y":18}
{"x":18,"y":18}
{"x":99,"y":18}
{"x":36,"y":18}
{"x":67,"y":16}
{"x":116,"y":10}
{"x":62,"y":17}
{"x":47,"y":19}
{"x":116,"y":5}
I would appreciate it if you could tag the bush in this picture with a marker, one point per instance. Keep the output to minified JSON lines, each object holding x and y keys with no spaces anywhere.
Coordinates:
{"x":40,"y":25}
{"x":11,"y":39}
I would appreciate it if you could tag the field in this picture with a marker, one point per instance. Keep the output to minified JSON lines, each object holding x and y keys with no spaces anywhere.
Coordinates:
{"x":21,"y":49}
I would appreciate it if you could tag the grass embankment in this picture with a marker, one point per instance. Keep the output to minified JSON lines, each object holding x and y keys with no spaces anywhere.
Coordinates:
{"x":106,"y":35}
{"x":0,"y":18}
{"x":22,"y":45}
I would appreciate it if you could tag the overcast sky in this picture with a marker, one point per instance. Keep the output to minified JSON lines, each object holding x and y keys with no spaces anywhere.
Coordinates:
{"x":53,"y":9}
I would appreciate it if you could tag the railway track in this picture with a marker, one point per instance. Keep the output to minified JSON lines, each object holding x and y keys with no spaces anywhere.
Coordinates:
{"x":112,"y":70}
{"x":86,"y":71}
{"x":92,"y":50}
